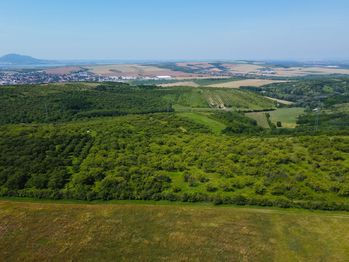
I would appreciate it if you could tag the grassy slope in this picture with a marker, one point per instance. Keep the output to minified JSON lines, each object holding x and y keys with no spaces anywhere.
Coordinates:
{"x":287,"y":116}
{"x":203,"y":119}
{"x":260,"y":118}
{"x":82,"y":232}
{"x":207,"y":82}
{"x":217,"y":98}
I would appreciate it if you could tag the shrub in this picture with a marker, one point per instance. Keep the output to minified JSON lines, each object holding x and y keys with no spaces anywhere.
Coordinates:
{"x":211,"y":188}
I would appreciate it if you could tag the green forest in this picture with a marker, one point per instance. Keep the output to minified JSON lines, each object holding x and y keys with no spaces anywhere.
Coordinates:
{"x":311,"y":93}
{"x":57,"y":103}
{"x":117,"y":141}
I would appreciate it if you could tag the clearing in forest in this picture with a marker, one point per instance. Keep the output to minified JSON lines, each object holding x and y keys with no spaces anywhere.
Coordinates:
{"x":287,"y":116}
{"x":260,"y":118}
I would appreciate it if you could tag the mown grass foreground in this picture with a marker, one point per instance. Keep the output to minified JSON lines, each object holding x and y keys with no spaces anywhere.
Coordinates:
{"x":53,"y":231}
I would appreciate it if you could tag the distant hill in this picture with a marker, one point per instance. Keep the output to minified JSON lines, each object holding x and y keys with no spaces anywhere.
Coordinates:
{"x":16,"y":59}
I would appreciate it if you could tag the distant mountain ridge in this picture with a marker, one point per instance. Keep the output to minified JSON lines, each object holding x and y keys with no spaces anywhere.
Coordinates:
{"x":16,"y":59}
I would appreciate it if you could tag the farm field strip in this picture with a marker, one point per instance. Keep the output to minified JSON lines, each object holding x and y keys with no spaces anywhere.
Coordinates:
{"x":181,"y":83}
{"x":247,"y":82}
{"x":285,"y":102}
{"x":227,"y":99}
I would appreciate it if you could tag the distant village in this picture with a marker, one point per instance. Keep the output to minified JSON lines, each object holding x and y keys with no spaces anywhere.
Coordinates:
{"x":42,"y":77}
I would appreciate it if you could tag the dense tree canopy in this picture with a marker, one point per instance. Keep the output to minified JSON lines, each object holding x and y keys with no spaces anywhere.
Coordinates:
{"x":309,"y":93}
{"x":52,"y":103}
{"x":70,"y":141}
{"x":162,"y":156}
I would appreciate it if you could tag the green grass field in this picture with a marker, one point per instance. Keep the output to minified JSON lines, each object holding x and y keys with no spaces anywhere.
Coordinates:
{"x":204,"y":119}
{"x":217,"y":98}
{"x":55,"y":231}
{"x":212,"y":81}
{"x":287,"y":116}
{"x":260,"y":118}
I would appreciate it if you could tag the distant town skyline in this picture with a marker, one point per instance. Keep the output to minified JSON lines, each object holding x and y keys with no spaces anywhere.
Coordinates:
{"x":176,"y":30}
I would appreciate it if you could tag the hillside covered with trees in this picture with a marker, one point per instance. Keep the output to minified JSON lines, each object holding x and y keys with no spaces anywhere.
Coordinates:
{"x":115,"y":141}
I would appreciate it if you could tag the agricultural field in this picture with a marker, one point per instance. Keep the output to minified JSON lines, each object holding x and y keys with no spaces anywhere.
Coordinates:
{"x":277,"y":71}
{"x":63,"y":70}
{"x":135,"y":70}
{"x":216,"y":80}
{"x":227,"y":99}
{"x":204,"y":70}
{"x":195,"y":65}
{"x":47,"y":231}
{"x":245,"y":68}
{"x":180,"y":83}
{"x":222,"y":83}
{"x":237,"y":99}
{"x":202,"y":82}
{"x":246,"y":82}
{"x":280,"y":101}
{"x":302,"y":71}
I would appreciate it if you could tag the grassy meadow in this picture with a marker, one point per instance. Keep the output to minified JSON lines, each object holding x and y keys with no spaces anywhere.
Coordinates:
{"x":260,"y":118}
{"x":218,"y":98}
{"x":55,"y":231}
{"x":204,"y":119}
{"x":287,"y":117}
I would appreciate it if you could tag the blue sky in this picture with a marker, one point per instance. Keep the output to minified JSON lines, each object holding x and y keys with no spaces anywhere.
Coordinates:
{"x":177,"y":29}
